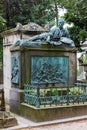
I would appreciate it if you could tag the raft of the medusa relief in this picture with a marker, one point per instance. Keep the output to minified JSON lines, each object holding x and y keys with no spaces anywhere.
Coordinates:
{"x":49,"y":69}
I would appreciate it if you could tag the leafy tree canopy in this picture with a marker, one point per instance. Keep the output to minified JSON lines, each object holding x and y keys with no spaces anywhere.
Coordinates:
{"x":43,"y":11}
{"x":24,"y":11}
{"x":77,"y":14}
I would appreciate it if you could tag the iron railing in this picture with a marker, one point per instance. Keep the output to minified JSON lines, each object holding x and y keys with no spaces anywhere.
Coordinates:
{"x":55,"y":94}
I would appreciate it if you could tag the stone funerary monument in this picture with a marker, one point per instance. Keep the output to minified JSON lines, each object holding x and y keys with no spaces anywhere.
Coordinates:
{"x":42,"y":59}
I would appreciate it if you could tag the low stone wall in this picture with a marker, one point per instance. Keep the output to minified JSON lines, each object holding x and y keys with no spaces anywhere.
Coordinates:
{"x":52,"y":113}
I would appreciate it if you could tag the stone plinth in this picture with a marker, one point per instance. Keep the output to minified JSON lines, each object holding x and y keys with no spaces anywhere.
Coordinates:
{"x":53,"y":113}
{"x":7,"y":120}
{"x":23,"y":55}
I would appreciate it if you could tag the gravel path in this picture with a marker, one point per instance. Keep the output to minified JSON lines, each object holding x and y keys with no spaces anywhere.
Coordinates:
{"x":78,"y":125}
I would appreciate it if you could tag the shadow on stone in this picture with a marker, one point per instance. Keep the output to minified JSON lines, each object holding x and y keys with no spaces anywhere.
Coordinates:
{"x":6,"y":118}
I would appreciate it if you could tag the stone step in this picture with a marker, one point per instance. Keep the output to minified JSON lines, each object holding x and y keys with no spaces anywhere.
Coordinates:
{"x":7,"y":120}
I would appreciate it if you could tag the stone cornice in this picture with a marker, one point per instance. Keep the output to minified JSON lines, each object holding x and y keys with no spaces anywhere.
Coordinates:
{"x":26,"y":29}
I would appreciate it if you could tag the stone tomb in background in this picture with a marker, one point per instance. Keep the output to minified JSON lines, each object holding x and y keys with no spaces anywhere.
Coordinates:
{"x":9,"y":38}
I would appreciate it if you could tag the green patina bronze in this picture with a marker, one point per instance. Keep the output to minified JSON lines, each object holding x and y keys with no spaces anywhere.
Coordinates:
{"x":49,"y":69}
{"x":15,"y":69}
{"x":55,"y":94}
{"x":56,"y":36}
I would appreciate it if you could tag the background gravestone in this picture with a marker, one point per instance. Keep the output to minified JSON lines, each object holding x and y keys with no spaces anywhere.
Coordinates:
{"x":9,"y":38}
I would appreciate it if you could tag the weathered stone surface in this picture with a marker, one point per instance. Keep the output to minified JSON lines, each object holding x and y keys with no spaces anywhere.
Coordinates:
{"x":7,"y":120}
{"x":2,"y":100}
{"x":9,"y":38}
{"x":54,"y":113}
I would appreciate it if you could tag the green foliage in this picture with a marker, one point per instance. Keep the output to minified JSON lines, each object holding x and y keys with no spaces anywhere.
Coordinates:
{"x":2,"y":24}
{"x":2,"y":28}
{"x":45,"y":11}
{"x":77,"y":14}
{"x":74,"y":34}
{"x":38,"y":11}
{"x":84,"y":58}
{"x":24,"y":11}
{"x":2,"y":21}
{"x":82,"y":34}
{"x":75,"y":91}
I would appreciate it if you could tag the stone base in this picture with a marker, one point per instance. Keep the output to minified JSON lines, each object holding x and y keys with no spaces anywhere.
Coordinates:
{"x":52,"y":113}
{"x":7,"y":120}
{"x":16,"y":97}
